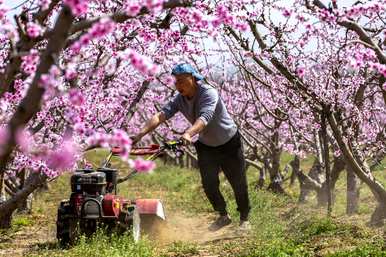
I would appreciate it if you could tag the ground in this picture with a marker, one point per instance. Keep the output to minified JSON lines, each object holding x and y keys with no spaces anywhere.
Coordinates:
{"x":280,"y":226}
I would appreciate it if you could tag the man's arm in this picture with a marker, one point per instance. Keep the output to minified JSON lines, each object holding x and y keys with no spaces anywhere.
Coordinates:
{"x":196,"y":128}
{"x":150,"y":125}
{"x":207,"y":103}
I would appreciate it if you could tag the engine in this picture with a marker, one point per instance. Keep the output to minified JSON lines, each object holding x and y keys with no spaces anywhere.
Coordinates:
{"x":91,"y":196}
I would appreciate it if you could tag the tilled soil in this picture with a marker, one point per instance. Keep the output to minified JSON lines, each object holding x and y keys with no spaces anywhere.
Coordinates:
{"x":178,"y":227}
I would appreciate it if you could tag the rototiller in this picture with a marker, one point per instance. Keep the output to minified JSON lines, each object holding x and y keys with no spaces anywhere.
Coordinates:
{"x":94,"y":201}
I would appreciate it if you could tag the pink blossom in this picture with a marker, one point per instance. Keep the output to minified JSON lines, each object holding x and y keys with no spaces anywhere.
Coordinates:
{"x":33,"y":30}
{"x":242,"y":26}
{"x":101,"y":28}
{"x":132,"y":8}
{"x":196,"y":16}
{"x":3,"y":12}
{"x":50,"y":80}
{"x":29,"y":62}
{"x":216,"y":22}
{"x":381,"y":68}
{"x":98,"y":30}
{"x":63,"y":158}
{"x":169,"y":80}
{"x":78,"y":7}
{"x":71,"y":72}
{"x":301,"y":18}
{"x":300,"y":71}
{"x":141,"y":63}
{"x":44,"y":4}
{"x":118,"y":138}
{"x":287,"y":13}
{"x":326,"y":15}
{"x":141,"y":165}
{"x":76,"y":97}
{"x":24,"y":140}
{"x":154,"y":5}
{"x":80,"y":127}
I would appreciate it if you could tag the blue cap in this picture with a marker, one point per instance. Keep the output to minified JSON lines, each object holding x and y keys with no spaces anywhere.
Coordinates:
{"x":186,"y":68}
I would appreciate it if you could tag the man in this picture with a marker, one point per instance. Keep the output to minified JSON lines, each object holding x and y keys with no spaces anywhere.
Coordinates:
{"x":218,"y":146}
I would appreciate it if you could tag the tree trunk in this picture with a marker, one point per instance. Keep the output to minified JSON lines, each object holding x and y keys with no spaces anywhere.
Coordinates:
{"x":295,"y":164}
{"x":2,"y":189}
{"x":326,"y":188}
{"x":292,"y":178}
{"x":276,"y":184}
{"x":261,"y":181}
{"x":7,"y":208}
{"x":378,"y":216}
{"x":352,"y":193}
{"x":310,"y":182}
{"x":276,"y":179}
{"x":6,"y":220}
{"x":337,"y":169}
{"x":181,"y":161}
{"x":358,"y":167}
{"x":322,"y":195}
{"x":26,"y":205}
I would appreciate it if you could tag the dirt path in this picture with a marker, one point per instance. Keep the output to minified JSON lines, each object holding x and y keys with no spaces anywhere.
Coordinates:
{"x":193,"y":229}
{"x":178,"y":227}
{"x":27,"y":239}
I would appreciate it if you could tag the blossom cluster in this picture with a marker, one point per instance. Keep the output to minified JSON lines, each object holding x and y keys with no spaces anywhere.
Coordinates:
{"x":223,"y":15}
{"x":44,"y":4}
{"x":33,"y":30}
{"x":98,"y":30}
{"x":78,"y":7}
{"x":119,"y":138}
{"x":51,"y":79}
{"x":29,"y":62}
{"x":133,"y":8}
{"x":141,"y":63}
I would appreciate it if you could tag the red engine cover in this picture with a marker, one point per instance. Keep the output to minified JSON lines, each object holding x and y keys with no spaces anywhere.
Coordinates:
{"x":112,"y":205}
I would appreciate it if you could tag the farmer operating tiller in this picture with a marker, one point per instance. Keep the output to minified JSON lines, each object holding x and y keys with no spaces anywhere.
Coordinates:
{"x":218,"y":146}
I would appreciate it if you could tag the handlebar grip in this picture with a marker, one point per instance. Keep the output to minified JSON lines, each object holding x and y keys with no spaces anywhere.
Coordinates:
{"x":174,"y":143}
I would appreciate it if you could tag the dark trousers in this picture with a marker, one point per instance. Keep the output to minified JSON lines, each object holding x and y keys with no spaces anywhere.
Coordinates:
{"x":230,"y":159}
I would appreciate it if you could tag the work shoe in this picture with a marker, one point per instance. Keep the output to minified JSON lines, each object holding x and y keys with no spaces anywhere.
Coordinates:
{"x":220,"y":222}
{"x":244,"y":226}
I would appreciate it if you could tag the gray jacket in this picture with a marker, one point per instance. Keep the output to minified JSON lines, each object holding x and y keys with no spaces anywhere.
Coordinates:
{"x":207,"y":106}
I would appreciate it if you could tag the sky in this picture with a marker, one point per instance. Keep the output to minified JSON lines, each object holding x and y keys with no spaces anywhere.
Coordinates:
{"x":12,"y":4}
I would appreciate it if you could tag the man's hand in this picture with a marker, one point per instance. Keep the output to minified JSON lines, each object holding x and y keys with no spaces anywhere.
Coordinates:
{"x":198,"y":126}
{"x":186,"y":138}
{"x":150,"y":125}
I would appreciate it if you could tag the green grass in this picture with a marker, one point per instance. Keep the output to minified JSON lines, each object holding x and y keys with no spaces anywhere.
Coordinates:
{"x":372,"y":250}
{"x":181,"y":249}
{"x":280,"y":226}
{"x":21,"y":221}
{"x":100,"y":245}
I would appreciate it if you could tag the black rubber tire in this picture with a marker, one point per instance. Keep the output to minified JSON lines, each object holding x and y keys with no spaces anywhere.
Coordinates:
{"x":88,"y":226}
{"x":66,"y":225}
